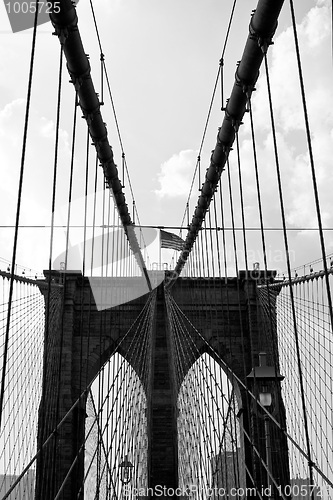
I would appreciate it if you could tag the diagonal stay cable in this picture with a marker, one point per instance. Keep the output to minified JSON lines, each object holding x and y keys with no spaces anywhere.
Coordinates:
{"x":65,"y":23}
{"x":262,"y":408}
{"x":104,"y":68}
{"x":86,"y":390}
{"x":197,"y":167}
{"x":262,"y":28}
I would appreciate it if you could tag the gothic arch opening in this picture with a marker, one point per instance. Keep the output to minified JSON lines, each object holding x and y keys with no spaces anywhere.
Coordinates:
{"x":210,"y":443}
{"x":116,"y":432}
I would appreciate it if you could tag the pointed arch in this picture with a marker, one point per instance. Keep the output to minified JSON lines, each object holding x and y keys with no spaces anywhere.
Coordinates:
{"x":116,"y":430}
{"x":210,"y":444}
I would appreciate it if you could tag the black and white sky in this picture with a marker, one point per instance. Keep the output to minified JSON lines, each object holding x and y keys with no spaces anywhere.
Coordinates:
{"x":162,"y":58}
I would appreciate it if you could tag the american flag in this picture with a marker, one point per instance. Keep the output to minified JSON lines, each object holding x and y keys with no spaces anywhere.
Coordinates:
{"x":170,"y":240}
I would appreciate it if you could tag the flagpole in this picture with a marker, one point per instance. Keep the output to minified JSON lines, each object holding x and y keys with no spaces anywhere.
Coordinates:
{"x":160,"y":250}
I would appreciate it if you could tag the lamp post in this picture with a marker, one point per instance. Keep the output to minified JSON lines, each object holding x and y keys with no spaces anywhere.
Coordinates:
{"x":265,"y":398}
{"x":126,"y":471}
{"x":266,"y":377}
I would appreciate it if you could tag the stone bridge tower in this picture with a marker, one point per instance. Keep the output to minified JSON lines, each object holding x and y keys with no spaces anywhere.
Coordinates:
{"x":227,"y":313}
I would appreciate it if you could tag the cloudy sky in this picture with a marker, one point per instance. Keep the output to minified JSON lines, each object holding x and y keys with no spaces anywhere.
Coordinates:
{"x":162,"y":59}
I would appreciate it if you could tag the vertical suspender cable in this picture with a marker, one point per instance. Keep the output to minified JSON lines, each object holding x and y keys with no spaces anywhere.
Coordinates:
{"x":263,"y":241}
{"x":71,"y":179}
{"x":313,"y":172}
{"x":55,"y":171}
{"x":299,"y":363}
{"x":18,"y":212}
{"x":262,"y":28}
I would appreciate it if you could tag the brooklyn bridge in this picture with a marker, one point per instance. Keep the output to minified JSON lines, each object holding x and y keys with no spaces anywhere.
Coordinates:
{"x":150,"y":359}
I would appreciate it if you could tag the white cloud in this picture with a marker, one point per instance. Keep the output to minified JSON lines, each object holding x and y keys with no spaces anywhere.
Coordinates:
{"x":315,"y":43}
{"x":37,"y":181}
{"x":176,"y":174}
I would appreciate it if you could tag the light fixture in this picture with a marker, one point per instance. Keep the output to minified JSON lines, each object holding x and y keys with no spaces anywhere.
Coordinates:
{"x":264,"y":380}
{"x":265,"y":376}
{"x":265,"y":397}
{"x":126,"y":471}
